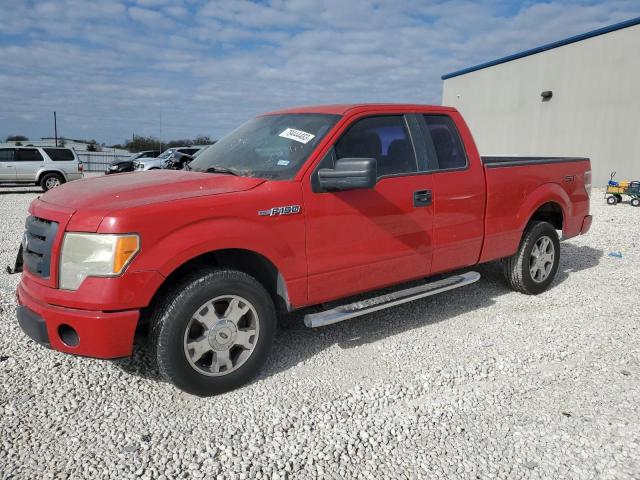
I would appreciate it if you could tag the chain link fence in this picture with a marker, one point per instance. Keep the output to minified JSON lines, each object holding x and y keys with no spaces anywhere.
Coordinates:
{"x":99,"y":161}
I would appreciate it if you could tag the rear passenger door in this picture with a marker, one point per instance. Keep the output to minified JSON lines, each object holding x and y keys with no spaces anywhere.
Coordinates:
{"x":458,"y":191}
{"x":27,"y":162}
{"x":364,"y":239}
{"x":7,"y":168}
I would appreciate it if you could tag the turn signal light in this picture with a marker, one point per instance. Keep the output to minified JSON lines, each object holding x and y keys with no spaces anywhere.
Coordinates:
{"x":126,"y":248}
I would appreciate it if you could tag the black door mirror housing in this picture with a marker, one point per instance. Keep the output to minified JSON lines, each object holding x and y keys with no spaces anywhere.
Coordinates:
{"x":349,"y":174}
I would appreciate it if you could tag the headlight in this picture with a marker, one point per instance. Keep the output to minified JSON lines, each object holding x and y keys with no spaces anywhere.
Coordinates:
{"x":95,"y":255}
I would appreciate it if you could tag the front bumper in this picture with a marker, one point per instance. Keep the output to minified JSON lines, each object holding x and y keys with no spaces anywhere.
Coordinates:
{"x":586,"y":224}
{"x":81,"y":332}
{"x":74,"y":176}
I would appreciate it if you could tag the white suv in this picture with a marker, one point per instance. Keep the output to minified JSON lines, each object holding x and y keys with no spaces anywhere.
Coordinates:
{"x":48,"y":167}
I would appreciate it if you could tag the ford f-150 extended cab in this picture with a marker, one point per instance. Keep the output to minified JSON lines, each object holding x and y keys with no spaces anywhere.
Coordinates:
{"x":296,"y":208}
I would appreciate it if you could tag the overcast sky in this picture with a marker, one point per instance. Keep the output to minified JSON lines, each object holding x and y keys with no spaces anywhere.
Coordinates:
{"x":113,"y":68}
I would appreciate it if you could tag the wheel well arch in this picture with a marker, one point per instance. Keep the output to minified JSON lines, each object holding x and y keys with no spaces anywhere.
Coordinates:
{"x":247,"y":261}
{"x":45,"y":172}
{"x":549,"y":212}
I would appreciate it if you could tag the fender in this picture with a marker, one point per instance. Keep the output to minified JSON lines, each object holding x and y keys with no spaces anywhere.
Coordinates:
{"x":189,"y":241}
{"x":503,"y":238}
{"x":49,"y":169}
{"x":545,"y":193}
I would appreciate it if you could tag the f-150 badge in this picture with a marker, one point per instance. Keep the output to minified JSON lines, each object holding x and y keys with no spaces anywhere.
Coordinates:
{"x":275,"y":211}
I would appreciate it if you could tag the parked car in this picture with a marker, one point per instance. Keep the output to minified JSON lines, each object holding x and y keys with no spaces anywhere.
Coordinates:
{"x":157,"y":163}
{"x":126,"y":165}
{"x":293,"y":209}
{"x":48,"y":167}
{"x":178,"y":160}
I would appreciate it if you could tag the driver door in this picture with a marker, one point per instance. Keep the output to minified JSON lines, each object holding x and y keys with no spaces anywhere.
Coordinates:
{"x":364,"y":239}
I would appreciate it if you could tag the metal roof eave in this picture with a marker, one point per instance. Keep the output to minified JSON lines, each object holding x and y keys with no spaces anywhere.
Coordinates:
{"x":543,"y":48}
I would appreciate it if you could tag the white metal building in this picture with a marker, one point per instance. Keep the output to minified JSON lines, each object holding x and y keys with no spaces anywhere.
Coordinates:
{"x":574,"y":97}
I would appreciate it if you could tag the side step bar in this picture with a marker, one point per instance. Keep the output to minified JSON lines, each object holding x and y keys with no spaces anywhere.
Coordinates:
{"x":356,"y":309}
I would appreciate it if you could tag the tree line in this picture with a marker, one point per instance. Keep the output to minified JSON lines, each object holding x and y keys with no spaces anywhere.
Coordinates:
{"x":139,"y":144}
{"x":136,"y":144}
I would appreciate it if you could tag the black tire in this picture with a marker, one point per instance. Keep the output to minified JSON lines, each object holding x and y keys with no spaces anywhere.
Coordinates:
{"x":612,"y":200}
{"x":171,"y":317}
{"x":517,"y":268}
{"x":635,"y":202}
{"x":49,"y":178}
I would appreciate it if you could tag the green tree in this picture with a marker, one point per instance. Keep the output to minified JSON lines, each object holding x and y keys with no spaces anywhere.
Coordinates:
{"x":17,"y":138}
{"x":203,"y":140}
{"x":94,"y":146}
{"x":139,"y":144}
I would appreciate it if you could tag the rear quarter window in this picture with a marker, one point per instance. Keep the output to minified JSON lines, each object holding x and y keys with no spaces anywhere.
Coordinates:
{"x":443,"y":141}
{"x":60,"y":154}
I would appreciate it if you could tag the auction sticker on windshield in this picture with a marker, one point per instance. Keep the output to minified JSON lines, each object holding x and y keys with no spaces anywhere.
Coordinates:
{"x":297,"y":135}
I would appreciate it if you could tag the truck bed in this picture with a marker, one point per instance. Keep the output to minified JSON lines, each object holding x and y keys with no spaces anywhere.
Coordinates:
{"x":511,"y":161}
{"x":518,"y":185}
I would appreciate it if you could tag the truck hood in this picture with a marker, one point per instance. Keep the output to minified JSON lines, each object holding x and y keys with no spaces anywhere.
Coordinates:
{"x":93,"y":198}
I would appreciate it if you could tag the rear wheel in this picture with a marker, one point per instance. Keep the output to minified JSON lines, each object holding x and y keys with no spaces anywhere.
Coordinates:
{"x":635,"y":202}
{"x":612,"y":200}
{"x":51,"y":180}
{"x":534,"y":266}
{"x":213,"y":332}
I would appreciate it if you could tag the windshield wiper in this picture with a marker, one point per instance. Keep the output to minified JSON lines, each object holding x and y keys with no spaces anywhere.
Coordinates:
{"x":217,"y":169}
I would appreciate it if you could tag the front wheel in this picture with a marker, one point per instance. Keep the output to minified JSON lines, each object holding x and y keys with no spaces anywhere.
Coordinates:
{"x":213,"y":332}
{"x":635,"y":202}
{"x":534,"y":266}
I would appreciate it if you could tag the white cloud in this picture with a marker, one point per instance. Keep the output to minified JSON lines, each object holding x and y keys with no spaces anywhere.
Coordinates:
{"x":150,"y":18}
{"x":177,"y":11}
{"x":109,"y":68}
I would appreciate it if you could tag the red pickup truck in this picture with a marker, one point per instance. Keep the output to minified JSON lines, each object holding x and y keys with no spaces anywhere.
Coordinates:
{"x":295,"y":208}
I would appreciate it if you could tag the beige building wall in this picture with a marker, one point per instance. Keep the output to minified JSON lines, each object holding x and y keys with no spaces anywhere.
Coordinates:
{"x":594,"y":111}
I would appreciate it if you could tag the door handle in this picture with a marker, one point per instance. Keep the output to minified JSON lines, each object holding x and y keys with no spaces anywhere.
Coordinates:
{"x":422,"y":198}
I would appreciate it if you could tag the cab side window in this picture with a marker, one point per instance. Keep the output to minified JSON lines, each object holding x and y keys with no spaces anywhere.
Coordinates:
{"x":6,"y":154}
{"x":384,"y":138}
{"x":443,"y":142}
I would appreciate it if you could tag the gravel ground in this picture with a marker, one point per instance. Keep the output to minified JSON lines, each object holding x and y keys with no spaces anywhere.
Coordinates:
{"x":476,"y":383}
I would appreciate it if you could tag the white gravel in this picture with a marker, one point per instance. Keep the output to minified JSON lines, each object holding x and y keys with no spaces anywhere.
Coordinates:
{"x":476,"y":383}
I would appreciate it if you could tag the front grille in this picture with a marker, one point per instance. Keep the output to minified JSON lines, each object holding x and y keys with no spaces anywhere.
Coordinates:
{"x":36,"y":245}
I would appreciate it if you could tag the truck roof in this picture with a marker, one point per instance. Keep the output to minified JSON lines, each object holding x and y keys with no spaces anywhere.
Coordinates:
{"x":343,"y":108}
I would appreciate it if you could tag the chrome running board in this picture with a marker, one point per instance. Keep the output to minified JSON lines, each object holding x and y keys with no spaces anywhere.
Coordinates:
{"x":356,"y":309}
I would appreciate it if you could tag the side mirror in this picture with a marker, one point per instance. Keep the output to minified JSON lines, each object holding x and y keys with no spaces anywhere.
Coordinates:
{"x":349,"y":174}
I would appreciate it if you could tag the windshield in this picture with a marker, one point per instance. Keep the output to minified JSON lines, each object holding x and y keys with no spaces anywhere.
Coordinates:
{"x":271,"y":146}
{"x":167,"y":153}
